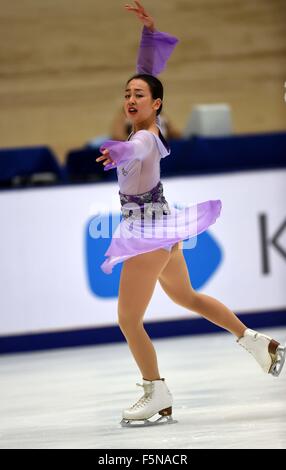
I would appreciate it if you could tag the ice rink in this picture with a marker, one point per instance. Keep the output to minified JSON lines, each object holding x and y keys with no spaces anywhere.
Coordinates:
{"x":73,"y":398}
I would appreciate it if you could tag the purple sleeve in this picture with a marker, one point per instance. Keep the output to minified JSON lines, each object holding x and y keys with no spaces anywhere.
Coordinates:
{"x":154,"y":51}
{"x":120,"y":152}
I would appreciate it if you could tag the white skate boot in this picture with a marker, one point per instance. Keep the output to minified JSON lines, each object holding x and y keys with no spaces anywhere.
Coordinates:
{"x":269,"y":354}
{"x":156,"y":399}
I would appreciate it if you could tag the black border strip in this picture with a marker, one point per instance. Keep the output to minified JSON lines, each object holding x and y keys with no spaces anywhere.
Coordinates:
{"x":112,"y":334}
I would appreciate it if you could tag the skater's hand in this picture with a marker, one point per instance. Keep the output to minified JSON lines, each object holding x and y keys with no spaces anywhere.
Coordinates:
{"x":105,"y":156}
{"x":142,"y":14}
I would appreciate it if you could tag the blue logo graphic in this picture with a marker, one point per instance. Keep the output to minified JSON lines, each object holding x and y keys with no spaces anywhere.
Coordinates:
{"x":202,"y":261}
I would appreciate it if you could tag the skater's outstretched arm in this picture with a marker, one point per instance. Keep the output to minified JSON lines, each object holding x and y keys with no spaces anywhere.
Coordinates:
{"x":155,"y":46}
{"x":116,"y":152}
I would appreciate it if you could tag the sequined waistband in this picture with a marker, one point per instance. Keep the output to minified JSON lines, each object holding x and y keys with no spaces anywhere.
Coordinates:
{"x":151,"y":203}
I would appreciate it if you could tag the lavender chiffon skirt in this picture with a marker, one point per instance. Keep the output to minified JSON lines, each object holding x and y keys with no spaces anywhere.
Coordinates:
{"x":134,"y":237}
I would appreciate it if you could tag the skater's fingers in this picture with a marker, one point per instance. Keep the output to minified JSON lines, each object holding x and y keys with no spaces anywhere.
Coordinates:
{"x":106,"y":160}
{"x":141,"y":14}
{"x":109,"y":161}
{"x":141,"y":7}
{"x":100,"y":158}
{"x":139,"y":10}
{"x":104,"y":156}
{"x":132,"y":9}
{"x":133,"y":6}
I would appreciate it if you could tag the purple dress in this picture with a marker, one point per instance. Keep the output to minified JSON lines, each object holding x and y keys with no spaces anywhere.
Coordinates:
{"x":148,"y":222}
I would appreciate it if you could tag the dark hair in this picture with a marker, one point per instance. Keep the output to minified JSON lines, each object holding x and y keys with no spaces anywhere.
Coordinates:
{"x":156,"y":87}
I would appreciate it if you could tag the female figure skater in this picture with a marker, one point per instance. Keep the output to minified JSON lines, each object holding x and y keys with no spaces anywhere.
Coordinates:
{"x":140,"y":242}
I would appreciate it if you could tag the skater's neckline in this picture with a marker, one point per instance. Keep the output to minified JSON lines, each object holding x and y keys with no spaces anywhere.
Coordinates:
{"x":131,"y":133}
{"x":160,"y":138}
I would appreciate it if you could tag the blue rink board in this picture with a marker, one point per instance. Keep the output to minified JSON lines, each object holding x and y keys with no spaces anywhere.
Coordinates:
{"x":112,"y":334}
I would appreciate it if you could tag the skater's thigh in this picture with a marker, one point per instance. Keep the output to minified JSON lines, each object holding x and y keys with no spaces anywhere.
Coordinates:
{"x":175,"y":279}
{"x":138,"y":279}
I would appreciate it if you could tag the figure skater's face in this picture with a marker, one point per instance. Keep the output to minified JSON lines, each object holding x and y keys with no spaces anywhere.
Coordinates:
{"x":138,"y":104}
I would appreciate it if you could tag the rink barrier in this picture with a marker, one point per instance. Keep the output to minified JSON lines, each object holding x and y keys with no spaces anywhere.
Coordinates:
{"x":112,"y":334}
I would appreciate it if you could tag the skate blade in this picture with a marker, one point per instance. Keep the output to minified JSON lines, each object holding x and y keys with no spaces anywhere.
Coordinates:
{"x":279,"y":361}
{"x":138,"y":423}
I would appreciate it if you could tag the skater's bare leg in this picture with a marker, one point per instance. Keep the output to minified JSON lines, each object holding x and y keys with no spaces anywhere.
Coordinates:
{"x":175,"y":281}
{"x":137,"y":282}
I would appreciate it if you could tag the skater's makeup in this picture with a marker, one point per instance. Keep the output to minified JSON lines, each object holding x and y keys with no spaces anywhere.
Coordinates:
{"x":139,"y":103}
{"x":127,"y":95}
{"x":136,"y":89}
{"x":144,"y":88}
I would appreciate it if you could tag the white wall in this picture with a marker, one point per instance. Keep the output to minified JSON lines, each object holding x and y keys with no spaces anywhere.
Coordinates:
{"x":43,"y":268}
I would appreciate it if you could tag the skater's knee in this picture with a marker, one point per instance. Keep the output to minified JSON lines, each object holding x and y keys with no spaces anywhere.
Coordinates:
{"x":188,"y":301}
{"x":128,"y":323}
{"x":197,"y":302}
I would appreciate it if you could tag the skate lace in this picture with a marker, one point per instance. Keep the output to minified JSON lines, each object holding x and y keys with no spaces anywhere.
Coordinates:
{"x":142,"y":401}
